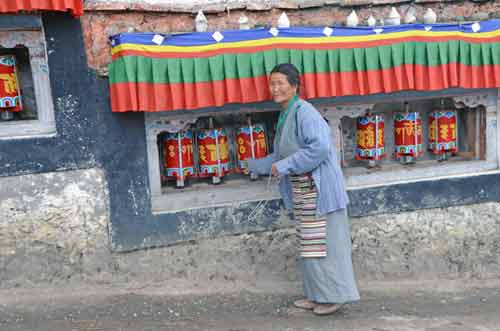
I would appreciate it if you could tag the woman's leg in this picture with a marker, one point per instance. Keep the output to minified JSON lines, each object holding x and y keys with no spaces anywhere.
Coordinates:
{"x":330,"y":279}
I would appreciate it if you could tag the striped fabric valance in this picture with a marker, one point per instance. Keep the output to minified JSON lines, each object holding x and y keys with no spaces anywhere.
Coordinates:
{"x":15,"y":6}
{"x":153,"y":72}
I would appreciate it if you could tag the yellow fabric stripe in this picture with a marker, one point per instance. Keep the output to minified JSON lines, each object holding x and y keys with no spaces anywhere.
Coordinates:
{"x":301,"y":41}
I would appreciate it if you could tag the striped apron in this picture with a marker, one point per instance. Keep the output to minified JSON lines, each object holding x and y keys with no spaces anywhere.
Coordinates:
{"x":311,"y":231}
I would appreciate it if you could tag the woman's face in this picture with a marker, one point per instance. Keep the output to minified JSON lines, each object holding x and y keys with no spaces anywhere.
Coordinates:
{"x":280,"y":88}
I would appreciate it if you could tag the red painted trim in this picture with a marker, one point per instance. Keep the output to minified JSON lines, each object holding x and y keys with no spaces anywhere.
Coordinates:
{"x":164,"y":97}
{"x":14,"y":6}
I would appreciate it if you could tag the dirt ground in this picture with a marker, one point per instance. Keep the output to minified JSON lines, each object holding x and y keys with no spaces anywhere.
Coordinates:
{"x":385,"y":306}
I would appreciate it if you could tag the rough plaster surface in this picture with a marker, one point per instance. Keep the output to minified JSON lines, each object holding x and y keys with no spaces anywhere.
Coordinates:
{"x":53,"y":229}
{"x":52,"y":226}
{"x":456,"y":242}
{"x":100,"y":22}
{"x":459,"y":241}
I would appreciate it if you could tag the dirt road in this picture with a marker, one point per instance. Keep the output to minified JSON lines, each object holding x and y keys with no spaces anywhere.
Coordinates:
{"x":457,"y":306}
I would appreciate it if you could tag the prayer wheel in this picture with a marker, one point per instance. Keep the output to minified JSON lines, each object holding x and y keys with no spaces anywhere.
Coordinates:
{"x":10,"y":95}
{"x":213,"y":154}
{"x":179,"y":163}
{"x":250,"y":143}
{"x":370,"y":137}
{"x":443,"y":135}
{"x":407,"y":135}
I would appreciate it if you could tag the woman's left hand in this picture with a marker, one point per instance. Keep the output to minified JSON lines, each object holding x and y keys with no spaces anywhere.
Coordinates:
{"x":274,"y":170}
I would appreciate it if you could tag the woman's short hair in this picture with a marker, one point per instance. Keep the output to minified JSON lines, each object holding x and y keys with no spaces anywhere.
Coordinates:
{"x":290,"y":71}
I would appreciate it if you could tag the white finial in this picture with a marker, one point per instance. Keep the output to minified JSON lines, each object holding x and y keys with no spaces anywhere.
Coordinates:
{"x":394,"y":18}
{"x":283,"y":21}
{"x":430,"y":16}
{"x":243,"y":21}
{"x":371,"y":21}
{"x":381,"y":21}
{"x":410,"y":17}
{"x":352,"y":19}
{"x":201,"y":22}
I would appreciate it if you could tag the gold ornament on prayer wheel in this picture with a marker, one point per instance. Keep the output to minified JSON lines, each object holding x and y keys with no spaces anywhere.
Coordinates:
{"x":370,"y":137}
{"x":179,"y":163}
{"x":407,"y":135}
{"x":443,"y":134}
{"x":250,"y":144}
{"x":10,"y":94}
{"x":213,"y":153}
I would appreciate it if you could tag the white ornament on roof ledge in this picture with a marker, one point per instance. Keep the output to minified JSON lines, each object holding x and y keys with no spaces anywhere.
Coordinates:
{"x":243,"y":22}
{"x":394,"y":18}
{"x":201,"y":22}
{"x":430,"y":16}
{"x":352,"y":20}
{"x":283,"y":21}
{"x":371,"y":21}
{"x":410,"y":17}
{"x":476,"y":27}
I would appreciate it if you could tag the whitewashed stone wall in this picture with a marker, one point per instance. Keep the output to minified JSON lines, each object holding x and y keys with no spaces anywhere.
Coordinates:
{"x":52,"y":226}
{"x":53,"y":229}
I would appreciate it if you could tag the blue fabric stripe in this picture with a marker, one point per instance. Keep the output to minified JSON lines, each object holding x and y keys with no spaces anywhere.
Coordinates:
{"x":205,"y":38}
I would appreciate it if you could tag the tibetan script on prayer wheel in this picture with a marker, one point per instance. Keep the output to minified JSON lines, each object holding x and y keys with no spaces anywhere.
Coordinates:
{"x":408,"y":134}
{"x":179,"y":163}
{"x":213,"y":153}
{"x":443,"y":137}
{"x":250,"y":143}
{"x":370,"y":137}
{"x":10,"y":95}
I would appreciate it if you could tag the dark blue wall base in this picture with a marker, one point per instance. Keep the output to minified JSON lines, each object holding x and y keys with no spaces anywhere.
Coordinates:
{"x":171,"y":228}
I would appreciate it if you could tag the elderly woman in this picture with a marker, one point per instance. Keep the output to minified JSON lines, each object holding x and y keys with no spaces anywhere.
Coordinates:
{"x":311,"y":183}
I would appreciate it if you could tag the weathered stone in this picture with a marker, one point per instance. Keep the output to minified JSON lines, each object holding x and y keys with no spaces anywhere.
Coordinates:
{"x":287,"y":4}
{"x":48,"y":222}
{"x":482,"y":16}
{"x":458,"y":241}
{"x":333,"y":2}
{"x":261,"y":5}
{"x":351,"y":3}
{"x":388,"y":2}
{"x":431,"y":1}
{"x":311,"y":3}
{"x":53,"y":228}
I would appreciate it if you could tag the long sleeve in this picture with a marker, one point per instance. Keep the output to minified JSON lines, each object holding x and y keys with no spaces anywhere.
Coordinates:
{"x":315,"y":134}
{"x":262,"y":166}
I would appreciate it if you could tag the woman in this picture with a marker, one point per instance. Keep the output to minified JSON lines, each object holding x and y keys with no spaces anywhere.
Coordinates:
{"x":311,"y":183}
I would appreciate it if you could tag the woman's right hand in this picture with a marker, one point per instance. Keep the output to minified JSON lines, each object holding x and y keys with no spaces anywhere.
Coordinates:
{"x":274,"y":171}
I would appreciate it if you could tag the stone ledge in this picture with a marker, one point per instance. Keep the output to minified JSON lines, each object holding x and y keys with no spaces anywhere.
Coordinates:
{"x":219,"y":6}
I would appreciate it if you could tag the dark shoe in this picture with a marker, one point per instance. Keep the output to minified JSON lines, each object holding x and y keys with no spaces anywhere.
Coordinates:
{"x":304,"y":304}
{"x":326,"y":308}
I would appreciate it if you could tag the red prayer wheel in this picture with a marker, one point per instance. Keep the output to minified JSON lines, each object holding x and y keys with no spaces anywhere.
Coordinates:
{"x":213,"y":153}
{"x":408,"y":134}
{"x":443,"y":136}
{"x":250,"y":143}
{"x":179,"y":163}
{"x":370,"y":138}
{"x":10,"y":95}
